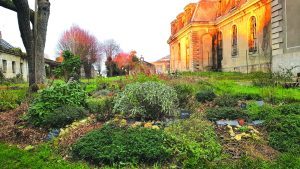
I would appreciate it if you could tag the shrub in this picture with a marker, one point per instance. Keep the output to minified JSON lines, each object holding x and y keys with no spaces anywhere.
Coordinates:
{"x":10,"y":99}
{"x":226,"y":100}
{"x":184,"y":94}
{"x":149,"y":100}
{"x":290,"y":109}
{"x":248,"y":96}
{"x":205,"y":95}
{"x":257,"y":112}
{"x":102,"y":107}
{"x":284,"y":132}
{"x":230,"y":113}
{"x":52,"y":98}
{"x":63,"y":116}
{"x":195,"y":143}
{"x":111,"y":144}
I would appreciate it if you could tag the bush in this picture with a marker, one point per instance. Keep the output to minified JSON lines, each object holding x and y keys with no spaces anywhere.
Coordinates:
{"x":111,"y":144}
{"x":53,"y":98}
{"x":257,"y":112}
{"x":10,"y":99}
{"x":284,"y":132}
{"x":102,"y":107}
{"x":184,"y":94}
{"x":205,"y":95}
{"x":290,"y":109}
{"x":195,"y":143}
{"x":226,"y":100}
{"x":149,"y":100}
{"x":230,"y":113}
{"x":63,"y":116}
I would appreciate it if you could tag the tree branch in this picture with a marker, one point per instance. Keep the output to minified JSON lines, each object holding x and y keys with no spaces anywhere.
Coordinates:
{"x":8,"y":4}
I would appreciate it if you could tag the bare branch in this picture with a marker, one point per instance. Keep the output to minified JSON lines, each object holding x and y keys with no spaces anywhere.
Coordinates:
{"x":8,"y":4}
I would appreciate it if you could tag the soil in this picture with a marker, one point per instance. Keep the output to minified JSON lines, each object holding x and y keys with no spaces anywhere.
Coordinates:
{"x":13,"y":130}
{"x":254,"y":148}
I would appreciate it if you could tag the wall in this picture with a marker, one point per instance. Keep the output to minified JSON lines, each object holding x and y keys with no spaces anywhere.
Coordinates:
{"x":285,"y":35}
{"x":10,"y":58}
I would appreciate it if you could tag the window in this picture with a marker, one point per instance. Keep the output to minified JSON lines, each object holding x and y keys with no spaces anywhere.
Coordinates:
{"x":234,"y":49}
{"x":179,"y":52}
{"x":4,"y":63}
{"x":13,"y":66}
{"x":252,"y":36}
{"x":21,"y":68}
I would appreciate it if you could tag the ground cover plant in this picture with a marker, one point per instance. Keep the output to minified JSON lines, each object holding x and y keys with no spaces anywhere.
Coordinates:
{"x":10,"y":99}
{"x":111,"y":145}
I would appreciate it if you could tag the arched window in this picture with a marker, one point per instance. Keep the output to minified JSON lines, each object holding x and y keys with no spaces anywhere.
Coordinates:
{"x":234,"y":49}
{"x":252,"y":36}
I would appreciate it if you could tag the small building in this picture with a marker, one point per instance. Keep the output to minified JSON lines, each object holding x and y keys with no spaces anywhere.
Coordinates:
{"x":12,"y":61}
{"x":162,"y":66}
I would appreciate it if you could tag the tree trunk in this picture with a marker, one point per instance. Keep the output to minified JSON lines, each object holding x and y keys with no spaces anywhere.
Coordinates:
{"x":35,"y":51}
{"x":87,"y":70}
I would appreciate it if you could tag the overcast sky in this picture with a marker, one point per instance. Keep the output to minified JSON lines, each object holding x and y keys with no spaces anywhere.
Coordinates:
{"x":141,"y":25}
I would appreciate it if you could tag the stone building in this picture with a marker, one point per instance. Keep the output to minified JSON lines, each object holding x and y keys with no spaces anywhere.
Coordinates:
{"x":12,"y":60}
{"x":286,"y":35}
{"x":232,"y":35}
{"x":162,"y":66}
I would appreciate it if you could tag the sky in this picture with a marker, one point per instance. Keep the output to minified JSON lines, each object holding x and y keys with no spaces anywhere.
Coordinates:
{"x":141,"y":25}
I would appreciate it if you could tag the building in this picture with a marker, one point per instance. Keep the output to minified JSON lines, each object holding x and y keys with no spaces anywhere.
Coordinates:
{"x":12,"y":60}
{"x":286,"y":35}
{"x":162,"y":66}
{"x":235,"y":35}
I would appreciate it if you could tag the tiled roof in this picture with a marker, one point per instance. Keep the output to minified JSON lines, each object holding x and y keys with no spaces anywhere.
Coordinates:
{"x":5,"y":45}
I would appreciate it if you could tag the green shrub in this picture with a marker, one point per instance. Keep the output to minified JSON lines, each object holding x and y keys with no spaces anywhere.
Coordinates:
{"x":284,"y":132}
{"x":102,"y":107}
{"x":226,"y":100}
{"x":257,"y":112}
{"x":63,"y":116}
{"x":53,"y":98}
{"x":248,"y":96}
{"x":149,"y":100}
{"x":184,"y":94}
{"x":10,"y":99}
{"x":290,"y":109}
{"x":111,"y":144}
{"x":195,"y":143}
{"x":230,"y":113}
{"x":205,"y":95}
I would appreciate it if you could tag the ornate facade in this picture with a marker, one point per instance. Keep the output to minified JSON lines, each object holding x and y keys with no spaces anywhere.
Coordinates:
{"x":225,"y":35}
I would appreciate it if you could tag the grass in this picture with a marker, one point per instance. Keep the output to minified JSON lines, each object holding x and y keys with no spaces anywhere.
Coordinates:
{"x":12,"y":157}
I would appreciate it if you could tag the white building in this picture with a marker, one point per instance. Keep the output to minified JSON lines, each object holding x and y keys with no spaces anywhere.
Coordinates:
{"x":12,"y":61}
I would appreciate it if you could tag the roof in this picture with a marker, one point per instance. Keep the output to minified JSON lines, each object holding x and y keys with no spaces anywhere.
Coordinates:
{"x":164,"y":59}
{"x":5,"y":45}
{"x":206,"y":11}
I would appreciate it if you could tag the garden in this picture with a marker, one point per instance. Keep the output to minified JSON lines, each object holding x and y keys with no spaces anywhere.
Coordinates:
{"x":182,"y":120}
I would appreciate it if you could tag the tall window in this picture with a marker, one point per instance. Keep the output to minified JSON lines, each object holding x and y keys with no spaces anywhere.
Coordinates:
{"x":179,"y":52}
{"x":234,"y":41}
{"x":21,"y":68}
{"x":252,"y":36}
{"x":4,"y":63}
{"x":13,"y":66}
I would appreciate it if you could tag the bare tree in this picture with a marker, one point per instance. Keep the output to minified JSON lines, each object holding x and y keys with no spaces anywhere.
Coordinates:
{"x":111,"y":48}
{"x":33,"y":37}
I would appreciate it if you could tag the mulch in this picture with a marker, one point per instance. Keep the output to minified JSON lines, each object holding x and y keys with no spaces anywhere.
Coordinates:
{"x":13,"y":130}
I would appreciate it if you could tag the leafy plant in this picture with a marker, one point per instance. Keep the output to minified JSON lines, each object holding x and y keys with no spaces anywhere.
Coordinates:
{"x":205,"y":95}
{"x":63,"y":116}
{"x":226,"y":100}
{"x":230,"y":113}
{"x":52,"y":98}
{"x":10,"y":99}
{"x":195,"y":144}
{"x":149,"y":100}
{"x":111,"y":144}
{"x":184,"y":94}
{"x":70,"y":67}
{"x":102,"y":107}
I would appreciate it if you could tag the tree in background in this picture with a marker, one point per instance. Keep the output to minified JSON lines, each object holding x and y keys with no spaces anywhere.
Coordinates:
{"x":33,"y":37}
{"x":111,"y":67}
{"x":110,"y":49}
{"x":126,"y":62}
{"x":81,"y":43}
{"x":70,"y":66}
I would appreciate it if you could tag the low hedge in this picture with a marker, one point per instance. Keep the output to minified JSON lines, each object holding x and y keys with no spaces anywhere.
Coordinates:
{"x":230,"y":113}
{"x":102,"y":107}
{"x":113,"y":145}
